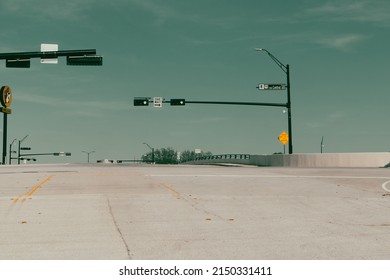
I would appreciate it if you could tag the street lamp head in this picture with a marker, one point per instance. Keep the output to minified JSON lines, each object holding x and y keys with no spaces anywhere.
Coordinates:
{"x":261,"y":50}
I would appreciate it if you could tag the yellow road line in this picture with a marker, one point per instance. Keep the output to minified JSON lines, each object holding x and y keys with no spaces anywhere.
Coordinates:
{"x":23,"y":197}
{"x":171,"y":189}
{"x":39,"y":185}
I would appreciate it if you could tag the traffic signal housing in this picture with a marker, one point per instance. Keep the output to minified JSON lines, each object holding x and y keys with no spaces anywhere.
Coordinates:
{"x":141,"y":101}
{"x":178,"y":102}
{"x":85,"y":60}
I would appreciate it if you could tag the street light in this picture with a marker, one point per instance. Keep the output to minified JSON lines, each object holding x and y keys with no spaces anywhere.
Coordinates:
{"x":151,"y":149}
{"x":88,"y":153}
{"x":20,"y":141}
{"x":285,"y":69}
{"x":10,"y":150}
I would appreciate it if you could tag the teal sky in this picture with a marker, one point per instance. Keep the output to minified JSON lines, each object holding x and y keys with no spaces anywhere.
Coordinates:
{"x":338,"y":52}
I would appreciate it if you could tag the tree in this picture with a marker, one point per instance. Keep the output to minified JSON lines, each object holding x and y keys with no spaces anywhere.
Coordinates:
{"x":161,"y":156}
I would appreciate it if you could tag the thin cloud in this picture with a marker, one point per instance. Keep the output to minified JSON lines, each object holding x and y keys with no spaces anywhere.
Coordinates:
{"x":342,"y":43}
{"x":69,"y":10}
{"x":359,"y":11}
{"x":85,"y":108}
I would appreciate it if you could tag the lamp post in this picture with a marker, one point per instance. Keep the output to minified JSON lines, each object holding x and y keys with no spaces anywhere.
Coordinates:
{"x":151,"y":149}
{"x":20,"y":142}
{"x":88,"y":153}
{"x":10,"y":150}
{"x":285,"y":69}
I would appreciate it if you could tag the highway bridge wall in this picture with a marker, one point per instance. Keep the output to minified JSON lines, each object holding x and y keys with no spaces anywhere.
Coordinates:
{"x":307,"y":160}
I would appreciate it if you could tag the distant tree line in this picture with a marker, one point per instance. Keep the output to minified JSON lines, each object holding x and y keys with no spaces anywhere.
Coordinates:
{"x":171,"y":156}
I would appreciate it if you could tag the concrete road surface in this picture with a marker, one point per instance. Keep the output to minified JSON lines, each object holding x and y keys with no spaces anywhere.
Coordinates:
{"x":193,"y":212}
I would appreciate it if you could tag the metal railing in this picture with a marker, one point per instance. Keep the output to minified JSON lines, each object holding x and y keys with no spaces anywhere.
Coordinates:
{"x":221,"y":157}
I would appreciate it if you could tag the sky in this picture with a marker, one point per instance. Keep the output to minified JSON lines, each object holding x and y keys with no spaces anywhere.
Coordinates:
{"x":338,"y":53}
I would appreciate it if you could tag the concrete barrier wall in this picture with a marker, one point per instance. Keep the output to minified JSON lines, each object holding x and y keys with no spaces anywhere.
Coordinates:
{"x":323,"y":160}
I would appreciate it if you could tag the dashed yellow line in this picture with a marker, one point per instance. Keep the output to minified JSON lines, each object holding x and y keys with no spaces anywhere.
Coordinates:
{"x":23,"y":198}
{"x":171,"y":189}
{"x":39,"y":185}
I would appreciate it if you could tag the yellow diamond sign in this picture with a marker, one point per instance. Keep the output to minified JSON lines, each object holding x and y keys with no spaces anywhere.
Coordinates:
{"x":283,"y":138}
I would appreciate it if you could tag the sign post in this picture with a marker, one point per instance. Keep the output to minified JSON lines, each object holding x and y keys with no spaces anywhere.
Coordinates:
{"x":6,"y":100}
{"x":283,"y":138}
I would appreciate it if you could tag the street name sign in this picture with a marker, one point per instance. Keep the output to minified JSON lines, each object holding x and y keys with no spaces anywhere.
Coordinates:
{"x":157,"y":102}
{"x":272,"y":86}
{"x":49,"y":48}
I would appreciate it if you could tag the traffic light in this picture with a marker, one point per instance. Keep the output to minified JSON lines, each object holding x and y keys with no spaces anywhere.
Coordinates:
{"x":85,"y":60}
{"x":141,"y":101}
{"x":178,"y":102}
{"x":17,"y":63}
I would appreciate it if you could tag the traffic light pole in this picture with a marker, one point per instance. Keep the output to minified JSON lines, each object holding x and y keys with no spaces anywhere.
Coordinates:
{"x":290,"y":142}
{"x":5,"y":128}
{"x":285,"y":69}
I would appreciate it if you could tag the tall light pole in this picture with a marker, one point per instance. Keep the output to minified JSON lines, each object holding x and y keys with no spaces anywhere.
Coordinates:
{"x":151,"y":149}
{"x":20,"y":142}
{"x":88,"y":153}
{"x":10,"y":150}
{"x":285,"y":69}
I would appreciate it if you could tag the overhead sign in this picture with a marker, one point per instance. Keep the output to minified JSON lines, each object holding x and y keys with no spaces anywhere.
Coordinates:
{"x":6,"y":96}
{"x":49,"y":48}
{"x":283,"y":138}
{"x":272,"y":86}
{"x":157,"y":102}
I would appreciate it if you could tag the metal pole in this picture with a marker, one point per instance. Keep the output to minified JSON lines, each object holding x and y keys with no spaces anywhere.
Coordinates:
{"x":151,"y":149}
{"x":19,"y":152}
{"x":4,"y":137}
{"x":88,"y":153}
{"x":10,"y":154}
{"x":290,"y":142}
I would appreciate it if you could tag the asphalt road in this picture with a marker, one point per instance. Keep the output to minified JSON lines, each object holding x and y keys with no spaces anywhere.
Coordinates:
{"x":193,"y":212}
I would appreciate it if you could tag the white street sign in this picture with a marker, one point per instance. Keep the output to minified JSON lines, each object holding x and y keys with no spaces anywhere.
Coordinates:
{"x":157,"y":102}
{"x":49,"y":48}
{"x":272,"y":86}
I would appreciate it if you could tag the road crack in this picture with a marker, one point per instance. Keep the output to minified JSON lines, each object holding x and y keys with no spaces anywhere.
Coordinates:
{"x":118,"y":229}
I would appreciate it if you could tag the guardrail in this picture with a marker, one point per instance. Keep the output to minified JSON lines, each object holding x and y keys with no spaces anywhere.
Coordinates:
{"x":223,"y":158}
